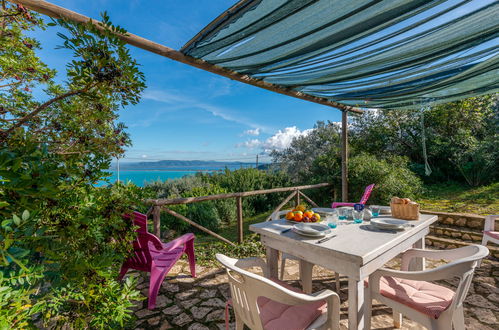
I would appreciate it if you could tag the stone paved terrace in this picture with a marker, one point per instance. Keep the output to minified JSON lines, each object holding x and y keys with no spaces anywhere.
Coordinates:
{"x":187,"y":303}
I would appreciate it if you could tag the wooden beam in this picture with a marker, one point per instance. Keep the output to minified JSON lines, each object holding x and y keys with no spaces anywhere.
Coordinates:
{"x":344,"y":156}
{"x":240,"y":223}
{"x":198,"y":226}
{"x":54,"y":11}
{"x":156,"y":216}
{"x":284,"y":202}
{"x":188,"y":200}
{"x":308,"y":199}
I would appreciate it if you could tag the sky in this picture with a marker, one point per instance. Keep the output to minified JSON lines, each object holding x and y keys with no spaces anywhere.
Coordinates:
{"x":186,"y":113}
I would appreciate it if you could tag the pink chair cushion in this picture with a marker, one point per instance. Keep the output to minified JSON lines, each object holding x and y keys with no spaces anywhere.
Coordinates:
{"x":277,"y":316}
{"x":425,"y":297}
{"x":493,"y":234}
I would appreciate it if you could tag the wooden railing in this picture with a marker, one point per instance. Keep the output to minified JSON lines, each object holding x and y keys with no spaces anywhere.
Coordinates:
{"x":161,"y":204}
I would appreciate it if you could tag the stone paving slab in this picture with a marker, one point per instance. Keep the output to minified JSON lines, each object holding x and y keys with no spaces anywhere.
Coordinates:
{"x":198,"y":303}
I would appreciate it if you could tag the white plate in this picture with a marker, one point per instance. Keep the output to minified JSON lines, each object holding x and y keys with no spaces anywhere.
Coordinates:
{"x":311,"y":229}
{"x":388,"y":223}
{"x":323,"y":210}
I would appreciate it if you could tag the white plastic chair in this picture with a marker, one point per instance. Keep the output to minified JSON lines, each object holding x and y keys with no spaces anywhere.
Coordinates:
{"x":489,"y":232}
{"x":285,"y":256}
{"x":432,"y":305}
{"x":248,"y":288}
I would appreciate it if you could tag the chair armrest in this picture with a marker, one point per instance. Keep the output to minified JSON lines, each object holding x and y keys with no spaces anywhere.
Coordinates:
{"x":154,"y":240}
{"x":177,"y":242}
{"x":432,"y":254}
{"x":252,"y":262}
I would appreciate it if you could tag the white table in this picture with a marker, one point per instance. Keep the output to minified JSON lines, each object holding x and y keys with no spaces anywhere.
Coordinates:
{"x":354,"y":252}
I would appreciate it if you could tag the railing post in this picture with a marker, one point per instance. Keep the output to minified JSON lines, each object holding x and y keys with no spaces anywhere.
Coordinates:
{"x":297,"y":197}
{"x":156,"y":217}
{"x":240,"y":228}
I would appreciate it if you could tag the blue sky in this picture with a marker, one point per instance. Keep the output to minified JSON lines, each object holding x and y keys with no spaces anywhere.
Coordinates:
{"x":186,"y":113}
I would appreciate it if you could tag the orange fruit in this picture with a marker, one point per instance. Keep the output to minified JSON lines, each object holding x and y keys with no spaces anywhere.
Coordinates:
{"x":298,"y":216}
{"x":290,"y":215}
{"x":299,"y":212}
{"x":308,"y":214}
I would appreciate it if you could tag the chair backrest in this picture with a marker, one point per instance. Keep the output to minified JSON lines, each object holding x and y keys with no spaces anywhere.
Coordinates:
{"x":247,"y":287}
{"x":367,"y":193}
{"x":142,"y":254}
{"x":464,"y":268}
{"x":463,"y":263}
{"x":490,"y":221}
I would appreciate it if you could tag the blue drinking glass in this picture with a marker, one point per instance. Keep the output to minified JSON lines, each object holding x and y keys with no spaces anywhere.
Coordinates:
{"x":332,"y":220}
{"x":358,"y":216}
{"x":375,"y":211}
{"x":342,"y":213}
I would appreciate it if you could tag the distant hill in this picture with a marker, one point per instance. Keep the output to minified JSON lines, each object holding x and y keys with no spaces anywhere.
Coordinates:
{"x":182,"y":165}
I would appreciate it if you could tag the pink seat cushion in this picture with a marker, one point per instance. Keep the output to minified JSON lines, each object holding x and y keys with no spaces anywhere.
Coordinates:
{"x":493,"y":234}
{"x":277,"y":316}
{"x":425,"y":297}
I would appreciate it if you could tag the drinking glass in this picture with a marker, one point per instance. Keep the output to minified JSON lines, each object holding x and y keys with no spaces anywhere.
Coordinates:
{"x":342,"y":213}
{"x":375,"y":211}
{"x":332,"y":219}
{"x":358,"y":216}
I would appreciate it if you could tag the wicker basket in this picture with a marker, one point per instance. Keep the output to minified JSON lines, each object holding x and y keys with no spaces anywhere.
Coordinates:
{"x":405,"y":211}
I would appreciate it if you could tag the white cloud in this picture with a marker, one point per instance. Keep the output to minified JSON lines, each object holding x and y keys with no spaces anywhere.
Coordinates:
{"x":279,"y":141}
{"x":282,"y":139}
{"x":251,"y":144}
{"x":254,"y":132}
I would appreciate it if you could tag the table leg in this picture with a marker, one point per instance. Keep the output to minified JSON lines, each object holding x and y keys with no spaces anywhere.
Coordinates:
{"x":272,"y":259}
{"x":418,"y":263}
{"x":306,"y":276}
{"x":355,"y":304}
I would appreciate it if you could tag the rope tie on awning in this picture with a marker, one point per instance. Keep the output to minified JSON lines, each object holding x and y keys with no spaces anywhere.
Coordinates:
{"x":425,"y":106}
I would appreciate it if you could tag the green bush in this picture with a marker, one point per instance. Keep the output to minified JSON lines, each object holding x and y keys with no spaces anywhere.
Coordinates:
{"x":252,"y":179}
{"x":213,"y":214}
{"x":391,"y":176}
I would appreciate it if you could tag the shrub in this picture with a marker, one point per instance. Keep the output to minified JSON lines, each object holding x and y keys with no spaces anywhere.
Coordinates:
{"x":391,"y":176}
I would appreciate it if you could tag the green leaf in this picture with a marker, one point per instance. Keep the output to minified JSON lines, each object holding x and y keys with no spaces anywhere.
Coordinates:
{"x":16,"y":220}
{"x":25,"y":215}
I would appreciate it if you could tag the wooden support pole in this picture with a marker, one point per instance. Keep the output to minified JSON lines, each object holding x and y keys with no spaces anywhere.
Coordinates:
{"x":297,"y":199}
{"x":54,"y":11}
{"x":284,"y":202}
{"x":240,"y":227}
{"x":308,"y":199}
{"x":198,"y":226}
{"x":156,"y":216}
{"x":344,"y":156}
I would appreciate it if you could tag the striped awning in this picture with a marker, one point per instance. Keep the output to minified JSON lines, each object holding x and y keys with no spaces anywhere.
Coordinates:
{"x":392,"y":54}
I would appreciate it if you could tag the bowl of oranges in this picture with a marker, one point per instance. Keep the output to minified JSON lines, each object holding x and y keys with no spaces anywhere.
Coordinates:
{"x":301,"y":214}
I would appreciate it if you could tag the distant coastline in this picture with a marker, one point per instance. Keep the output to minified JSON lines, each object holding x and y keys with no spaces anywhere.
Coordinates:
{"x":182,"y":165}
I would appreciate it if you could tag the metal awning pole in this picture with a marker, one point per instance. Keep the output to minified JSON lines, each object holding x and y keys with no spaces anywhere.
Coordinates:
{"x":344,"y":156}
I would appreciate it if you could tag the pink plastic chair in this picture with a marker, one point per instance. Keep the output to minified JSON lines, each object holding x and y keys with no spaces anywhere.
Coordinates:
{"x":151,"y":255}
{"x":363,"y":200}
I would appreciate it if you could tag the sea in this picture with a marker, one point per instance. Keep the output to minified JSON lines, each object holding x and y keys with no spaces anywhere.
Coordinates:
{"x":140,"y":177}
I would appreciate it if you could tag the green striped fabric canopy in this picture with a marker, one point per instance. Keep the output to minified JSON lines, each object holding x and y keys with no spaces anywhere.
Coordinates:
{"x":392,"y":54}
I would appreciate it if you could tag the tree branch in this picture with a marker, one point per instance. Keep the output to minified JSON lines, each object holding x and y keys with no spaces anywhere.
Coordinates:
{"x":43,"y":107}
